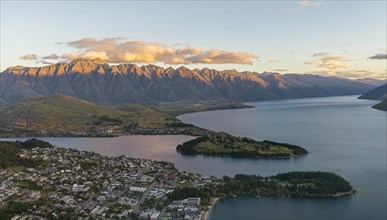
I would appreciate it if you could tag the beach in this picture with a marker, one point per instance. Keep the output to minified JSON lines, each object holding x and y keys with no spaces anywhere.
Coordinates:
{"x":206,"y":214}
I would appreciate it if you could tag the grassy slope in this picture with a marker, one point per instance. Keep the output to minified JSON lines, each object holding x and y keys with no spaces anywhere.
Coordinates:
{"x":182,"y":107}
{"x":60,"y":114}
{"x":224,"y":144}
{"x":149,"y":117}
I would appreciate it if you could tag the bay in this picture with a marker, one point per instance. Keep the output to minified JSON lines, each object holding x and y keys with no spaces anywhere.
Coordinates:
{"x":343,"y":135}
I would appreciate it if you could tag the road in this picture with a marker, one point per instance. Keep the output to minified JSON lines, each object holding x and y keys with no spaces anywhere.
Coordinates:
{"x":143,"y":197}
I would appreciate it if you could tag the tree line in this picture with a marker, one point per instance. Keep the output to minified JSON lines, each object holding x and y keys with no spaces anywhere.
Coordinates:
{"x":10,"y":150}
{"x":296,"y":184}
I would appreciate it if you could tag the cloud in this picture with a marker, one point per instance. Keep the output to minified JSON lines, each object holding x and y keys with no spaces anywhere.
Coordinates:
{"x":70,"y":56}
{"x":352,"y":74}
{"x":321,"y":54}
{"x":379,"y":57}
{"x":29,"y":57}
{"x":45,"y":62}
{"x":273,"y":61}
{"x":51,"y":57}
{"x":308,"y":3}
{"x":344,"y":51}
{"x":329,"y":62}
{"x":281,"y":70}
{"x":189,"y":51}
{"x":357,"y":74}
{"x":221,"y":57}
{"x":115,"y":50}
{"x":95,"y":55}
{"x":334,"y":65}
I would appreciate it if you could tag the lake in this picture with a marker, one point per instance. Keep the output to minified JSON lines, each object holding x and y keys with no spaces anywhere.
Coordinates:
{"x":343,"y":135}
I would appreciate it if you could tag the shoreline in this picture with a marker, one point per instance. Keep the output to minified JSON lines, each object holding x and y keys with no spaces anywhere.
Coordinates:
{"x":353,"y":191}
{"x":188,"y":130}
{"x":210,"y":207}
{"x":185,"y":129}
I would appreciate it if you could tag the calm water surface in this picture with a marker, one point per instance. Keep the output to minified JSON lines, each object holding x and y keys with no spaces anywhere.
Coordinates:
{"x":342,"y":134}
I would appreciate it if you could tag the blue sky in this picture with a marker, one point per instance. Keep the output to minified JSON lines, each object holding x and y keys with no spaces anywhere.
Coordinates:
{"x":321,"y":37}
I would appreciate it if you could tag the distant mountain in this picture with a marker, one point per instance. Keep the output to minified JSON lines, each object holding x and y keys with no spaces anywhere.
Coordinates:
{"x":105,"y":84}
{"x":374,"y":82}
{"x":378,"y":93}
{"x":61,"y":115}
{"x":381,"y":106}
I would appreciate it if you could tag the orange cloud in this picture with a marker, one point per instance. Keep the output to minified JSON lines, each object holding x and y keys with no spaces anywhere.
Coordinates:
{"x":29,"y":57}
{"x":51,"y":57}
{"x":95,"y":55}
{"x":188,"y":51}
{"x":115,"y":50}
{"x":331,"y":63}
{"x":223,"y":57}
{"x":70,"y":56}
{"x":337,"y":66}
{"x":352,"y":74}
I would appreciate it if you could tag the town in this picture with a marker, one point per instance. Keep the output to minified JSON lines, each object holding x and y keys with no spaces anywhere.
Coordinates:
{"x":42,"y":181}
{"x":78,"y":184}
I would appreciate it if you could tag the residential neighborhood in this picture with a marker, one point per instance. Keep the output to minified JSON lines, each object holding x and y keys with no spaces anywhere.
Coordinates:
{"x":73,"y":184}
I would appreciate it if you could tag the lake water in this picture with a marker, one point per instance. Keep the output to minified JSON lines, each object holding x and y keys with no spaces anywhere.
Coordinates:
{"x":343,"y":135}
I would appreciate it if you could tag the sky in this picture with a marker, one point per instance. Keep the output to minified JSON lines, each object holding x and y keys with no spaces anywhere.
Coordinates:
{"x":329,"y":38}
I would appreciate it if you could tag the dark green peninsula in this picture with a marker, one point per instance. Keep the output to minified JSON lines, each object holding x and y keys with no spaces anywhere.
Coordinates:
{"x":222,"y":144}
{"x":292,"y":184}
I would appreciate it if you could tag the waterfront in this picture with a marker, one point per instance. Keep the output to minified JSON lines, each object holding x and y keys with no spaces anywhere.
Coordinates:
{"x":343,"y":135}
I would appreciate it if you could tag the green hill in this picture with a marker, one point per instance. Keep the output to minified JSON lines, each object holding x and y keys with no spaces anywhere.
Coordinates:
{"x":183,"y":107}
{"x":61,"y":115}
{"x":222,"y":144}
{"x":151,"y":117}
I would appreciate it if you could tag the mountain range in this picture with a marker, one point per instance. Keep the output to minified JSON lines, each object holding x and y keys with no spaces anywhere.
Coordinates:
{"x":112,"y":85}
